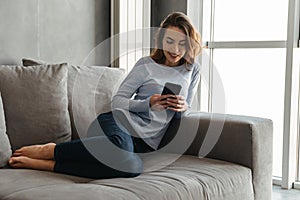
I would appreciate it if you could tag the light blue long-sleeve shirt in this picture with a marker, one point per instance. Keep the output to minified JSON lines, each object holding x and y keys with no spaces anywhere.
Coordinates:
{"x":131,"y":103}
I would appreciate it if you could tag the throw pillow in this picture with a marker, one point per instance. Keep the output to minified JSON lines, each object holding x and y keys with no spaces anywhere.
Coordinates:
{"x":5,"y":149}
{"x":32,"y":62}
{"x":90,"y":90}
{"x":35,"y":103}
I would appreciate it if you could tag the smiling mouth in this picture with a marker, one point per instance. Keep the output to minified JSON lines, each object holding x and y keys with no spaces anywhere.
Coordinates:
{"x":173,"y":55}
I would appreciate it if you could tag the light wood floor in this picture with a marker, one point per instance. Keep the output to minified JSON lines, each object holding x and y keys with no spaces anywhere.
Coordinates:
{"x":280,"y":194}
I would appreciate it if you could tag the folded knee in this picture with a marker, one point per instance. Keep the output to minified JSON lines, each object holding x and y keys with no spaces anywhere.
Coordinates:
{"x":134,"y":166}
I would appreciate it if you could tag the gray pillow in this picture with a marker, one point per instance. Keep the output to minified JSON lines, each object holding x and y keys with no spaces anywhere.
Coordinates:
{"x":90,"y":89}
{"x":32,"y":62}
{"x":5,"y":149}
{"x":35,"y":103}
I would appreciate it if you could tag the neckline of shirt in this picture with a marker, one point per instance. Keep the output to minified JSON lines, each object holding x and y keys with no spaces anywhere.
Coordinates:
{"x":165,"y":66}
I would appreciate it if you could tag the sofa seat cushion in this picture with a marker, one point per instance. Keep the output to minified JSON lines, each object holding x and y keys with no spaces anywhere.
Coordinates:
{"x":187,"y":178}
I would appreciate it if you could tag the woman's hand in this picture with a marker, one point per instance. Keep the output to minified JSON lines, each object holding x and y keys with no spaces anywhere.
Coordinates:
{"x":158,"y":102}
{"x":176,"y":103}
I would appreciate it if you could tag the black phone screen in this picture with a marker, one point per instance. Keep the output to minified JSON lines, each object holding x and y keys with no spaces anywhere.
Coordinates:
{"x":171,"y":88}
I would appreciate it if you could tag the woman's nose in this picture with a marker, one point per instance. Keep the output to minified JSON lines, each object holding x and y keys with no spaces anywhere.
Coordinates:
{"x":175,"y":48}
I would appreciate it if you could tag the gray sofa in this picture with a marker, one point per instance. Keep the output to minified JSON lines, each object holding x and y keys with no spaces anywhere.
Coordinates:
{"x":229,"y":156}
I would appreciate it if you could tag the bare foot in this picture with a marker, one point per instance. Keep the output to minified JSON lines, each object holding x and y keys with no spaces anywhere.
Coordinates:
{"x":44,"y":152}
{"x":29,"y":163}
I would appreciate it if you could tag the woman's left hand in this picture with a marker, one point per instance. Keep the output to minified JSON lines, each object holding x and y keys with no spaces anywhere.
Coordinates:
{"x":177,"y":103}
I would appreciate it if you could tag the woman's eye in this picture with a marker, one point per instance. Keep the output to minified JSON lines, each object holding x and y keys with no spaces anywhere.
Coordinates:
{"x":169,"y":41}
{"x":182,"y":43}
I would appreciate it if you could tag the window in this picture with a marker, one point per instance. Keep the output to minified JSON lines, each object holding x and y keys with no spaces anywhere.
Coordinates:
{"x":131,"y":42}
{"x":253,"y":81}
{"x":256,"y":41}
{"x":255,"y":20}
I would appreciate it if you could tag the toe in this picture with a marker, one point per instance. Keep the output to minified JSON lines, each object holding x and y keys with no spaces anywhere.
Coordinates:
{"x":12,"y":161}
{"x":17,"y":154}
{"x":19,"y":150}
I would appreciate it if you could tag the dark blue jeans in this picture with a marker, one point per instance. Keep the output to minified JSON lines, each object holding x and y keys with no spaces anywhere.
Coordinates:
{"x":107,"y":155}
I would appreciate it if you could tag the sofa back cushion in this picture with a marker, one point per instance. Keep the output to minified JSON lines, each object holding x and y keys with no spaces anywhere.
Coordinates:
{"x":35,"y":104}
{"x":5,"y":148}
{"x":90,"y":89}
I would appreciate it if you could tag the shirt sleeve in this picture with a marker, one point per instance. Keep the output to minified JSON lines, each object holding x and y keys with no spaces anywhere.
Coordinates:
{"x":194,"y":84}
{"x":130,"y":85}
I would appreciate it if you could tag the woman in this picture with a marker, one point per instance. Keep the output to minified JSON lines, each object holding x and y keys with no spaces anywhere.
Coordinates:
{"x":140,"y":114}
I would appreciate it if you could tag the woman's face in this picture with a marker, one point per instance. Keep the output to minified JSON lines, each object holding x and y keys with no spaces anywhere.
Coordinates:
{"x":174,"y":45}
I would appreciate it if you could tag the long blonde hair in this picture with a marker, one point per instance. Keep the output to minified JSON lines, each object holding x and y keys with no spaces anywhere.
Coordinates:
{"x":193,"y":44}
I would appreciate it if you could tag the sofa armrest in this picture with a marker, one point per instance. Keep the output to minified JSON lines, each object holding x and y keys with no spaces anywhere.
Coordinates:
{"x":238,"y":139}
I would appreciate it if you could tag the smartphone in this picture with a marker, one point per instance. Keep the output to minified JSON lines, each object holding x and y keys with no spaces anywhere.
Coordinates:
{"x":171,"y":88}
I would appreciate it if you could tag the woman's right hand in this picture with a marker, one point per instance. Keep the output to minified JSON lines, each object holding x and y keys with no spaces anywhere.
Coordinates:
{"x":159,"y":102}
